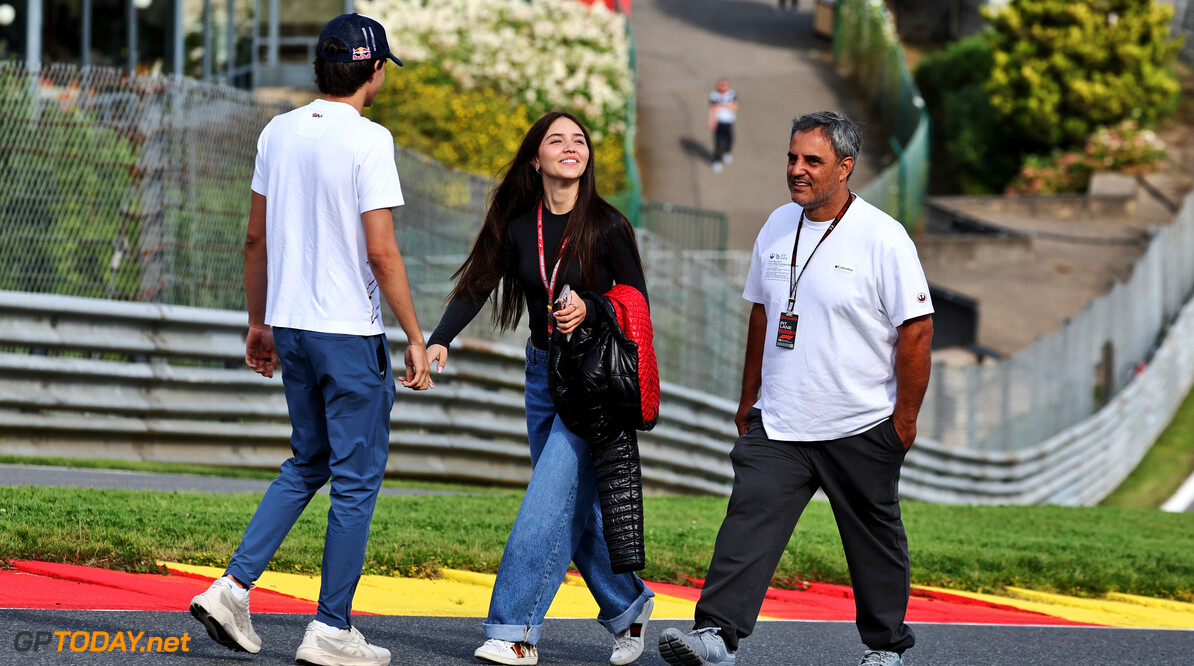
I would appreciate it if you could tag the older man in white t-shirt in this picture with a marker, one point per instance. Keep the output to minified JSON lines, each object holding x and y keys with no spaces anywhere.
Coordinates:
{"x":837,"y":362}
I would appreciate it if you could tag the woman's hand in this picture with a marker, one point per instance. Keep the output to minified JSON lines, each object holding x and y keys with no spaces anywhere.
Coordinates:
{"x":437,"y":356}
{"x":572,"y":315}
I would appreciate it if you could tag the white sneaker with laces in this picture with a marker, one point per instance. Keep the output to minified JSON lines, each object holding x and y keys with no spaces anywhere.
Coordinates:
{"x":226,"y":617}
{"x":881,"y":658}
{"x":628,"y":645}
{"x":717,"y":167}
{"x":728,"y":159}
{"x":507,"y":652}
{"x":346,"y":647}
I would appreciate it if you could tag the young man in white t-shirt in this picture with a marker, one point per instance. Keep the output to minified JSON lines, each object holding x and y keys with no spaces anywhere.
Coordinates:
{"x":723,"y":111}
{"x":837,"y":362}
{"x":324,"y":184}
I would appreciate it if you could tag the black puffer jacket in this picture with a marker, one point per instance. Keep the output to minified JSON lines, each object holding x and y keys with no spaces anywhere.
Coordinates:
{"x":594,"y":384}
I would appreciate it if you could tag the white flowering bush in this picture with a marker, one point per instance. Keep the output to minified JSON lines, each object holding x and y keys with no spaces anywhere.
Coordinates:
{"x":545,"y":54}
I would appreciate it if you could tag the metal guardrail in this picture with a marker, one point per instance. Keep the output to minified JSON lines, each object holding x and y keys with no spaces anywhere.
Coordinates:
{"x":1082,"y":464}
{"x":94,"y":378}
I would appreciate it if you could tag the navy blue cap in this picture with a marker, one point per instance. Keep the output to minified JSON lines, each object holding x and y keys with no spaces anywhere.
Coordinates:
{"x":364,"y":37}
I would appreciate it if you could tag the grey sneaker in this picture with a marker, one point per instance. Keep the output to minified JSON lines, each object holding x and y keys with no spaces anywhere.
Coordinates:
{"x":881,"y":658}
{"x":628,"y":645}
{"x":226,"y":618}
{"x":700,"y":647}
{"x":346,"y":647}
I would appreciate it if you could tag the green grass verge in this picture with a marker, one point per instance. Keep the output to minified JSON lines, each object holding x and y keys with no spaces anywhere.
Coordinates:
{"x":1082,"y":551}
{"x":1164,"y":468}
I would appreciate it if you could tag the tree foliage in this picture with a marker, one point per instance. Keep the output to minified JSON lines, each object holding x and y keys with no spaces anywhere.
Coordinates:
{"x":1061,"y":69}
{"x":974,"y":151}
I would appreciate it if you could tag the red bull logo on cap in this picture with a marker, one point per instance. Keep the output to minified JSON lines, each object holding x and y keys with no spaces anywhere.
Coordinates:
{"x":361,"y":53}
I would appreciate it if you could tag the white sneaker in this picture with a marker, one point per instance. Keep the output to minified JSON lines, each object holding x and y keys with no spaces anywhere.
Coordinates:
{"x":505,"y":652}
{"x":728,"y":159}
{"x":346,"y":647}
{"x":226,"y":617}
{"x":628,"y":645}
{"x":881,"y":658}
{"x":717,"y":167}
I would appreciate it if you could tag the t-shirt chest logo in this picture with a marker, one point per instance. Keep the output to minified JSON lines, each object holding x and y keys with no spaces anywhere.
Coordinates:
{"x":778,"y":266}
{"x":844,"y":268}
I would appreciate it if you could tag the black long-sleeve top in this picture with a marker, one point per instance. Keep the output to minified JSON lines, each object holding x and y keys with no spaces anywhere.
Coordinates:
{"x":615,"y":265}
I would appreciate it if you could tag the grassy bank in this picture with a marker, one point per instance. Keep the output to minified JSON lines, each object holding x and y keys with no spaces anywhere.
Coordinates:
{"x":1164,"y":468}
{"x":1083,"y":551}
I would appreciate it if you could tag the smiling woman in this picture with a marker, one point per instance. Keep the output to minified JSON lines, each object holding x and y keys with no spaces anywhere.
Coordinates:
{"x":547,"y":230}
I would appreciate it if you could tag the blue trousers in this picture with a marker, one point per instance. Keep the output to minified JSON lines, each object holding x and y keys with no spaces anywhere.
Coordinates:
{"x":559,"y":522}
{"x":339,"y":392}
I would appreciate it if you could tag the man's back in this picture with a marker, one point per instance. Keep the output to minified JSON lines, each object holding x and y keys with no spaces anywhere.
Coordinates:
{"x":320,"y":167}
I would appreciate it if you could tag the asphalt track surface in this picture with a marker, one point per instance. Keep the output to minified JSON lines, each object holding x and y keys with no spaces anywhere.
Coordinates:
{"x":451,"y":641}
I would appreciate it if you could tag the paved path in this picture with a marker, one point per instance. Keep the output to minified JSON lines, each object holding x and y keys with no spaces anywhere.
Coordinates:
{"x":779,"y":69}
{"x":437,"y":641}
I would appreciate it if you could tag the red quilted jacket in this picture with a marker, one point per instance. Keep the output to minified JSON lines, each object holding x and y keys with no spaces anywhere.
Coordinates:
{"x":634,"y":318}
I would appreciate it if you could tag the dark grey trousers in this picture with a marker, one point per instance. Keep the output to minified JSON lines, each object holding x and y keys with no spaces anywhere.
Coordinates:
{"x":773,"y":482}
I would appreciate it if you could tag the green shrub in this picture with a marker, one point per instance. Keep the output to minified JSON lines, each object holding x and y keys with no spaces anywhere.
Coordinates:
{"x":1061,"y":69}
{"x":973,"y":151}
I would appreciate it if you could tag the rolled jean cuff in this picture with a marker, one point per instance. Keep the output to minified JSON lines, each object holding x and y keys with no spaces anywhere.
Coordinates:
{"x":515,"y":633}
{"x":621,"y":623}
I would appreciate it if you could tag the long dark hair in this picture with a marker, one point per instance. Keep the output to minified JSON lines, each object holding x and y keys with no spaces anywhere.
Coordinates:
{"x":521,"y":188}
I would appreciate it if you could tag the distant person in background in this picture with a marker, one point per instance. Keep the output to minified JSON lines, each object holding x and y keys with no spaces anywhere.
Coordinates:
{"x":828,"y":405}
{"x":723,"y":111}
{"x":786,"y":5}
{"x":324,"y":186}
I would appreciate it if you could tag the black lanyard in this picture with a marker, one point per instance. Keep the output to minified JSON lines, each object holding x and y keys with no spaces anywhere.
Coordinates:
{"x":794,"y":283}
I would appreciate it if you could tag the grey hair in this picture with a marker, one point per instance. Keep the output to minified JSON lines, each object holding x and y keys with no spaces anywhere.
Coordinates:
{"x":842,"y":134}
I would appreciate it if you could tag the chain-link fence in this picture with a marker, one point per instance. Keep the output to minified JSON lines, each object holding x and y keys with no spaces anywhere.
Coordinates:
{"x":685,"y":227}
{"x":138,"y":189}
{"x":867,"y":50}
{"x":124,"y":188}
{"x":1062,"y":378}
{"x":630,"y":200}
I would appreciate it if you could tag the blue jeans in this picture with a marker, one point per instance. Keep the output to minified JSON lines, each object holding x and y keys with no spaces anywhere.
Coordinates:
{"x":559,"y":521}
{"x":339,"y":392}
